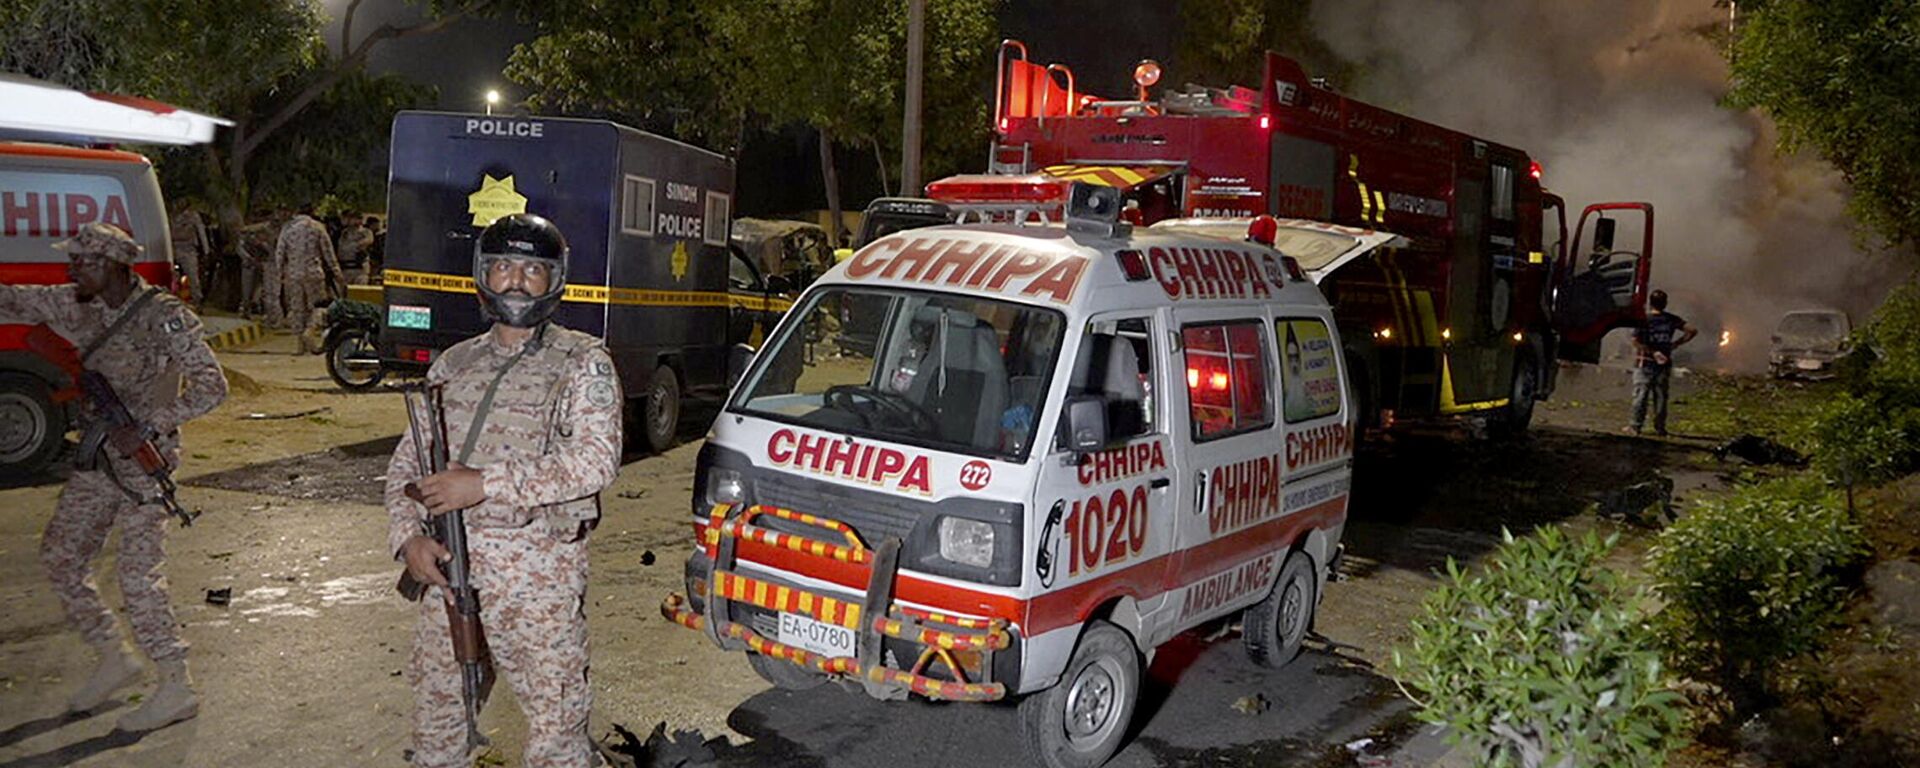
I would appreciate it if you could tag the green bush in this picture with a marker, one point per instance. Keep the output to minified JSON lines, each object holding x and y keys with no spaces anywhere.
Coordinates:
{"x":1542,"y":659}
{"x":1751,"y":581}
{"x":1856,"y":441}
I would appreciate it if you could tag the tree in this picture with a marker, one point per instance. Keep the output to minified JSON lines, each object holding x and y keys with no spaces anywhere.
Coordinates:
{"x":709,"y":71}
{"x":1841,"y":78}
{"x":1225,"y":41}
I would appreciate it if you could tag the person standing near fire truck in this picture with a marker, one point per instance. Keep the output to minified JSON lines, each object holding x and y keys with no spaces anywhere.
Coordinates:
{"x":148,"y":346}
{"x":1653,"y":345}
{"x":532,"y":413}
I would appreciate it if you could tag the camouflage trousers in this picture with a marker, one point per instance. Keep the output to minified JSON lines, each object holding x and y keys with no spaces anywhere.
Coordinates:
{"x":532,"y":605}
{"x":90,"y":506}
{"x":301,"y":296}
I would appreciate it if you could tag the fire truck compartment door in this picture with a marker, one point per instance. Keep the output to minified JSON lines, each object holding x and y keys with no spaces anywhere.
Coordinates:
{"x":1121,"y":177}
{"x":1319,"y":247}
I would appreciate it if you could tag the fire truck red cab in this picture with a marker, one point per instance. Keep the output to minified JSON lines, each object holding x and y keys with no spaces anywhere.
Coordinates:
{"x":55,"y":176}
{"x":1069,"y":444}
{"x":1466,"y":314}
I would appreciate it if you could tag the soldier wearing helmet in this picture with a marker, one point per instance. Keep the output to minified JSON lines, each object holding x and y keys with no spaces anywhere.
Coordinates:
{"x":148,"y":346}
{"x":532,"y":411}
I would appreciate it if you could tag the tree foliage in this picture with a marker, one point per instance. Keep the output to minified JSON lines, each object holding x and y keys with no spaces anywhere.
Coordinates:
{"x":1842,"y":79}
{"x":1225,"y":41}
{"x":710,"y":71}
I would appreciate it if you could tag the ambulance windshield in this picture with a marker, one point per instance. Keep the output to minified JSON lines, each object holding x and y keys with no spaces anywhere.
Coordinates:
{"x":949,"y":372}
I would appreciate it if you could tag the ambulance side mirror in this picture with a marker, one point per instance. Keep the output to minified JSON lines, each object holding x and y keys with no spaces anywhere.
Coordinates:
{"x":738,"y":358}
{"x":1086,"y":417}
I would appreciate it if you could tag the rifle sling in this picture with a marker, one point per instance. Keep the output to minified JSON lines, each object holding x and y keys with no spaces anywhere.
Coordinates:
{"x":119,"y":323}
{"x":486,"y":400}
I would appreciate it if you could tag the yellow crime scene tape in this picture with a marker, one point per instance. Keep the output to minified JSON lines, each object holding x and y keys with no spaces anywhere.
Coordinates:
{"x":592,"y":294}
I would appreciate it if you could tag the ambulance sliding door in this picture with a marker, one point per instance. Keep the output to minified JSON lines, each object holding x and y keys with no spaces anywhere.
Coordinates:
{"x":1229,"y":461}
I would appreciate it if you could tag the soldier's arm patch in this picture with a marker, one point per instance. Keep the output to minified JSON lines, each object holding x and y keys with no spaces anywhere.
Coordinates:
{"x":176,"y":324}
{"x":601,"y":368}
{"x":600,"y":393}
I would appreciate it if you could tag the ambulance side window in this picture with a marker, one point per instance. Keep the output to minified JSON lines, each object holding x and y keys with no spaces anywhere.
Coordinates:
{"x":1309,"y":370}
{"x":1228,"y":367}
{"x":1115,"y":362}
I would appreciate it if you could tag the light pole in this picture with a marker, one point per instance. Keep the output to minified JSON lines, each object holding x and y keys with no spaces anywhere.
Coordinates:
{"x":910,"y":140}
{"x":493,"y":97}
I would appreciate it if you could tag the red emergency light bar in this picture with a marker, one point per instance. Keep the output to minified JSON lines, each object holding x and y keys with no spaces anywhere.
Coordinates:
{"x":1033,"y":189}
{"x":1534,"y":170}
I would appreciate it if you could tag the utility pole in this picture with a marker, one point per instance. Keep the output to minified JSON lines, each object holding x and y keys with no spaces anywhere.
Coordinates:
{"x":910,"y":141}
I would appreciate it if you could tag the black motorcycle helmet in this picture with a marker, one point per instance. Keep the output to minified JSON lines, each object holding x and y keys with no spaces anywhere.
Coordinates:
{"x":521,"y":237}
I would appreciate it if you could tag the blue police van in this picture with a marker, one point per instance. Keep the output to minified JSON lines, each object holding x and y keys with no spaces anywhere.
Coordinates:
{"x":646,"y":219}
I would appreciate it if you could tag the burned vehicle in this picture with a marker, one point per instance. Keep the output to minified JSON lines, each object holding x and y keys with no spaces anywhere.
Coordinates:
{"x":1807,"y":342}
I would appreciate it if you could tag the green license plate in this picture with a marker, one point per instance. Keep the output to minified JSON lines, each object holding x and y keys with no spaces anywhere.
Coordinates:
{"x":416,"y":318}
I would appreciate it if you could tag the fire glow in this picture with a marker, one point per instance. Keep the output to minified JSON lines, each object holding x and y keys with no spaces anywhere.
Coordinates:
{"x":1726,"y":337}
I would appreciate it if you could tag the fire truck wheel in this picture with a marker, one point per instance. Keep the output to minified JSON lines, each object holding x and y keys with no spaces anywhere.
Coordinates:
{"x":784,"y":675}
{"x":1514,"y":419}
{"x":32,"y":428}
{"x":1275,"y":628}
{"x":1080,"y":722}
{"x":660,"y":419}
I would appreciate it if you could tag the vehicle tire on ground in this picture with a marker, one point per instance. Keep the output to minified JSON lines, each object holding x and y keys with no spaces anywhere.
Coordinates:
{"x":32,"y":428}
{"x":1274,"y":629}
{"x":1081,"y":721}
{"x":349,"y":344}
{"x":784,"y":675}
{"x":1513,"y":420}
{"x":660,"y":411}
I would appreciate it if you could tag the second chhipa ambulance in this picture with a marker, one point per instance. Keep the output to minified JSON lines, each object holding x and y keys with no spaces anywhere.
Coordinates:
{"x":1072,"y":442}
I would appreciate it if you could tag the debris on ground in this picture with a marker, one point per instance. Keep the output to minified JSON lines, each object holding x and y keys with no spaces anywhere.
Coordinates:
{"x":683,"y":749}
{"x":1766,"y":451}
{"x":646,"y":558}
{"x":1252,"y":705}
{"x":259,"y":416}
{"x":632,"y":494}
{"x":1646,"y":504}
{"x":221,"y":596}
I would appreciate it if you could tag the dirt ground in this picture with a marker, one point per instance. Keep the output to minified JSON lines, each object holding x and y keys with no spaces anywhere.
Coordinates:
{"x":303,"y":666}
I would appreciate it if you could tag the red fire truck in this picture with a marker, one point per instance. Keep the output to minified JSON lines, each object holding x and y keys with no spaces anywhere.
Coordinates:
{"x":1465,"y":313}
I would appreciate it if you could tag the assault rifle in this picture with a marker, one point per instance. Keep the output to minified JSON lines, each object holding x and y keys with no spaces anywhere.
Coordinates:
{"x":104,"y":407}
{"x":427,"y":424}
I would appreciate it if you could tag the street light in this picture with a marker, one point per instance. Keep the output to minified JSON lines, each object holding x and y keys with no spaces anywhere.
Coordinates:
{"x":493,"y":97}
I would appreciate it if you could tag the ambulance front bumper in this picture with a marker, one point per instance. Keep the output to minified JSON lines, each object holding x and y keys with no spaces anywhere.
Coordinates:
{"x":954,"y":657}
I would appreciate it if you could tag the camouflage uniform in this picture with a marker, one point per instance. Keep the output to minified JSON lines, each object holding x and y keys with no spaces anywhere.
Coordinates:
{"x":308,"y":270}
{"x":549,"y":443}
{"x":166,"y":375}
{"x":192,"y":251}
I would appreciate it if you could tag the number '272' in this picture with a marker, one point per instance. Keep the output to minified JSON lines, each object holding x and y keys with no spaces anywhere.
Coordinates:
{"x":1106,"y":529}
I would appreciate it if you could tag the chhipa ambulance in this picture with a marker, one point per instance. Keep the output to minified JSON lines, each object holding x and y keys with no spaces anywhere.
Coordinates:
{"x":1072,"y":442}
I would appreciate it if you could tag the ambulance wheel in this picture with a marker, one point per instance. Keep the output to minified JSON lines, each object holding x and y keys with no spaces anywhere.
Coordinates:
{"x":1080,"y":722}
{"x":1274,"y":629}
{"x":32,"y":428}
{"x":660,"y":419}
{"x":784,"y":675}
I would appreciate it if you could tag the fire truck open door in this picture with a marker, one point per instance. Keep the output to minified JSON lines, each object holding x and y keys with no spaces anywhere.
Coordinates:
{"x":1603,"y":278}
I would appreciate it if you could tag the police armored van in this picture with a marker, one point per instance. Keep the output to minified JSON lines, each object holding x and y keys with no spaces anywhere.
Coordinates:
{"x":646,"y":219}
{"x":1071,"y":443}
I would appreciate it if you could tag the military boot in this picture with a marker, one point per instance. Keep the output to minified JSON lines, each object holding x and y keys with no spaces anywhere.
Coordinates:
{"x":118,"y":667}
{"x":172,"y":702}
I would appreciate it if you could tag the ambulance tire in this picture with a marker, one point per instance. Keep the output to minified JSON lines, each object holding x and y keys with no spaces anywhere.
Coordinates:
{"x":660,"y":409}
{"x":785,"y":675}
{"x":1274,"y":629}
{"x":1081,"y":721}
{"x":32,"y":428}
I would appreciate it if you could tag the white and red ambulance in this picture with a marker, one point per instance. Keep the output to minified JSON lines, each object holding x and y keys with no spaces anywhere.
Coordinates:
{"x":1072,"y":442}
{"x":57,"y":173}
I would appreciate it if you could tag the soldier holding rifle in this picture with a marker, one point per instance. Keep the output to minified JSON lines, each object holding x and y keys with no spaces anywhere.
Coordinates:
{"x":147,"y":371}
{"x":530,"y":412}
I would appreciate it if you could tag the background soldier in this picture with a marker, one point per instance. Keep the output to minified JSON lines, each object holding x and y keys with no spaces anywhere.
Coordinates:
{"x":192,"y":251}
{"x":309,"y":273}
{"x":148,"y":346}
{"x":533,"y":423}
{"x":355,"y":238}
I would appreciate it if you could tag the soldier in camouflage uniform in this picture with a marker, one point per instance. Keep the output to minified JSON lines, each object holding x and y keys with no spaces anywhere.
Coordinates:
{"x":533,"y":425}
{"x":166,"y":375}
{"x":309,"y":273}
{"x":192,"y":251}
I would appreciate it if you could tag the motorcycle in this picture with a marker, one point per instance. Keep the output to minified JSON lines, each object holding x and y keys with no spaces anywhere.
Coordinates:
{"x":352,"y":345}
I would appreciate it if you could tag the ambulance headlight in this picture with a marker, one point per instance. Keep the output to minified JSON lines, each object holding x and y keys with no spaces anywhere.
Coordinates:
{"x":725,"y":486}
{"x":967,"y":542}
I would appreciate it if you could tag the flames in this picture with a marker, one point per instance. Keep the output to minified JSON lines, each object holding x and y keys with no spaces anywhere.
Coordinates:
{"x":1726,"y":337}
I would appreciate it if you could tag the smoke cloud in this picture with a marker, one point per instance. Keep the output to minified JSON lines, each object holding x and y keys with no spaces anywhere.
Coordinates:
{"x":1620,"y":101}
